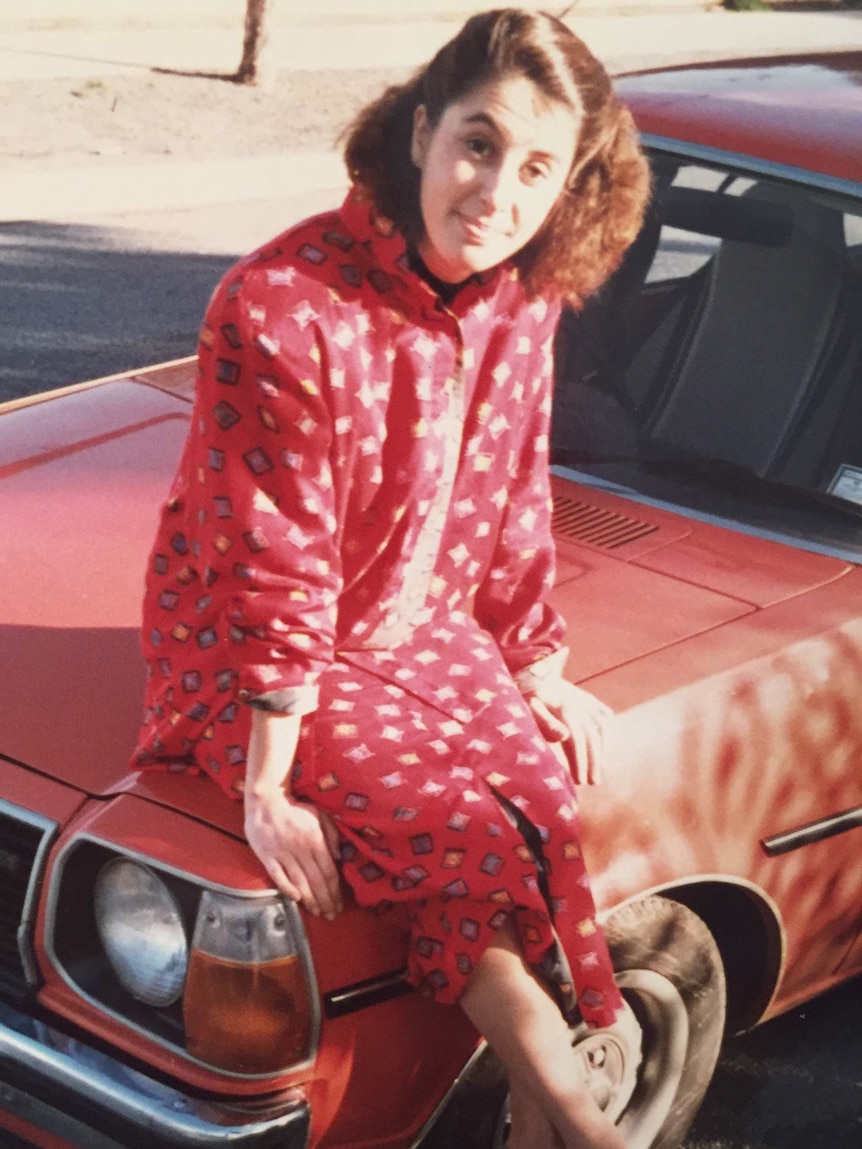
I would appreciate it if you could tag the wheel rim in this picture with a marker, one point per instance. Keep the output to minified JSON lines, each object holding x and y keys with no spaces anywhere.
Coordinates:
{"x":633,"y":1068}
{"x":663,"y":1018}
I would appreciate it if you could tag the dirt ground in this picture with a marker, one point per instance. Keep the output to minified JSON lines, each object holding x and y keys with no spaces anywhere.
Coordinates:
{"x":55,"y":123}
{"x":152,"y":115}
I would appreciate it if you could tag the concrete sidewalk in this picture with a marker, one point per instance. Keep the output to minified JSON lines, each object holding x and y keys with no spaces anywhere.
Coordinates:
{"x":624,"y":38}
{"x":624,"y":42}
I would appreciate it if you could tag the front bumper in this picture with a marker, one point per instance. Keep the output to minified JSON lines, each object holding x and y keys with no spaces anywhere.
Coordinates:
{"x":93,"y":1101}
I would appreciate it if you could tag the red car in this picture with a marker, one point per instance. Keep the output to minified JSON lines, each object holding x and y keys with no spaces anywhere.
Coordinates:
{"x":156,"y":994}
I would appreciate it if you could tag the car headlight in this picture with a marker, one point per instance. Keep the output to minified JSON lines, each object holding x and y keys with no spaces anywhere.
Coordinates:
{"x":141,"y":929}
{"x":220,"y":976}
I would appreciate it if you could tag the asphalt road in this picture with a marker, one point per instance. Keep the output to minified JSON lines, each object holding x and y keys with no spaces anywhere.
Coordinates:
{"x":102,"y":296}
{"x":793,"y":1083}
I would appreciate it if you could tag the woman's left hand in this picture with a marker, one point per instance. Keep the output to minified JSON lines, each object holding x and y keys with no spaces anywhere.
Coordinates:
{"x":574,"y":720}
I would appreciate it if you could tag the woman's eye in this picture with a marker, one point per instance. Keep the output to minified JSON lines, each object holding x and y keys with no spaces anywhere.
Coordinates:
{"x":479,"y":147}
{"x":532,"y":173}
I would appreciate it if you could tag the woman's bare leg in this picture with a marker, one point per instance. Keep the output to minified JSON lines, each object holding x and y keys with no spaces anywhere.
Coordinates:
{"x":529,"y":1125}
{"x":524,"y":1027}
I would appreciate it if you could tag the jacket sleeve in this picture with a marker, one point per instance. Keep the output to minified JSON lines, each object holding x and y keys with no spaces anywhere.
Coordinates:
{"x":248,"y":568}
{"x":511,"y":599}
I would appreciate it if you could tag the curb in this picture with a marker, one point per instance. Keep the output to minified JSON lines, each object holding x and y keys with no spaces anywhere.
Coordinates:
{"x":88,"y":192}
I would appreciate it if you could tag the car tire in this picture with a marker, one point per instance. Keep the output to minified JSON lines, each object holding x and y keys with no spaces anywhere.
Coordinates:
{"x":671,"y":975}
{"x":649,"y":1072}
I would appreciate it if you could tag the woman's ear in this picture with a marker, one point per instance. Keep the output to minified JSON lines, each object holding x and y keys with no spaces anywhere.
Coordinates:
{"x":421,"y":135}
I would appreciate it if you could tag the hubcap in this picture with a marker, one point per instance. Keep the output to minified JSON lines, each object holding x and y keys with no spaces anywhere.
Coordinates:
{"x":607,"y":1061}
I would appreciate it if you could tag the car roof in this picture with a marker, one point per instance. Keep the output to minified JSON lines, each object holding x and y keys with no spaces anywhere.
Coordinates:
{"x":798,"y":111}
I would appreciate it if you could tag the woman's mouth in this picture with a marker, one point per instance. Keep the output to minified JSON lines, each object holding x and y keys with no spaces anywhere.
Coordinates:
{"x":478,"y":230}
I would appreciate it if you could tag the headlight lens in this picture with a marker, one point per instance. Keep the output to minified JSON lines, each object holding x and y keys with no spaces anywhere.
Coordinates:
{"x":141,"y":929}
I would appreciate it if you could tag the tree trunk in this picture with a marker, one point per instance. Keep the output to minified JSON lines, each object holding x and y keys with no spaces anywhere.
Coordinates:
{"x":254,"y":41}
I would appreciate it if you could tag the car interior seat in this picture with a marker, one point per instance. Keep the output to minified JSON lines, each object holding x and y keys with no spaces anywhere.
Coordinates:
{"x":754,"y":360}
{"x":827,"y":434}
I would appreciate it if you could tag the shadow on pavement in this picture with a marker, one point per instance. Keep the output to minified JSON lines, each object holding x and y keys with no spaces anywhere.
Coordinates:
{"x":41,"y":53}
{"x":82,"y":301}
{"x":232,"y":77}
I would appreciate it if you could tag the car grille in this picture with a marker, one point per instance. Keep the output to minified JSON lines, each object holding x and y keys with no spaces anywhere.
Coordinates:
{"x":24,"y":838}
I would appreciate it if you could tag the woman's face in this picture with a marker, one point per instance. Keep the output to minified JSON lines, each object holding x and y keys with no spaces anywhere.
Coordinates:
{"x":492,"y":169}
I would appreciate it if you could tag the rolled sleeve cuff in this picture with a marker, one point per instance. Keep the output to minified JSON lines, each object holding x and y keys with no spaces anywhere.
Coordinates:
{"x":289,"y":700}
{"x":530,"y":679}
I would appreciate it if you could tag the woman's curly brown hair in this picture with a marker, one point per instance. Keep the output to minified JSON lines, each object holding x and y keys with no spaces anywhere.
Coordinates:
{"x":601,"y":209}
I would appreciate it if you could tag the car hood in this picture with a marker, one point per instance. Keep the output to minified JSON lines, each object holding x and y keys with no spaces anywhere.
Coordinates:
{"x":633,"y":578}
{"x":82,"y":476}
{"x":81,"y":479}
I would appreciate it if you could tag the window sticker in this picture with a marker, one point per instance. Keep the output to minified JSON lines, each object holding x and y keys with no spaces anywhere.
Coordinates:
{"x":847,"y":483}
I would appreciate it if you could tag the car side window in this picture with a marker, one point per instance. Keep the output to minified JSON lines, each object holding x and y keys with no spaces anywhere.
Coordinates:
{"x":731,"y":337}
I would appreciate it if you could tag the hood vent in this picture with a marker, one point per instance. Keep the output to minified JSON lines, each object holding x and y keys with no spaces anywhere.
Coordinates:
{"x":596,"y":526}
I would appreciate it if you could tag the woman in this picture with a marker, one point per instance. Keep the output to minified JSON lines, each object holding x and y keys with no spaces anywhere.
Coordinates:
{"x":345,"y":616}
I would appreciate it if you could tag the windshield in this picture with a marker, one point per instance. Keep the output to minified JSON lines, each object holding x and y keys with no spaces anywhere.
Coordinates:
{"x":721,"y":368}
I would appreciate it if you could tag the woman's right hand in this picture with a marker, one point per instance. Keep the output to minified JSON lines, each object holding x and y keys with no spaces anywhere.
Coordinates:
{"x":295,"y":843}
{"x":297,"y":846}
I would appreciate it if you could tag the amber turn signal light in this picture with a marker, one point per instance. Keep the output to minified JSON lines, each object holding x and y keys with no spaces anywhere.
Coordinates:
{"x":247,"y":1007}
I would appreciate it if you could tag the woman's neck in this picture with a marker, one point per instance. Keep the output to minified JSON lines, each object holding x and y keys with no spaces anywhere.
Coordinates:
{"x":446,"y":291}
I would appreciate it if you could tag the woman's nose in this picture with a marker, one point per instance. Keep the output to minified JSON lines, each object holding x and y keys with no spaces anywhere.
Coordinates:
{"x":499,"y":187}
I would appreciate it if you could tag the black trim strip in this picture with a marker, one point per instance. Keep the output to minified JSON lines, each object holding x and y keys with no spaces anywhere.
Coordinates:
{"x":366,"y":993}
{"x":813,"y":832}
